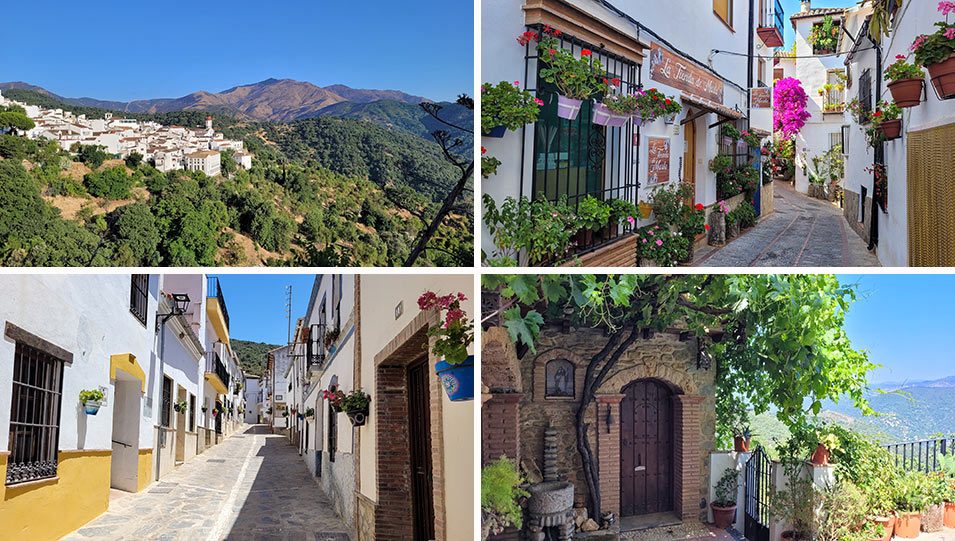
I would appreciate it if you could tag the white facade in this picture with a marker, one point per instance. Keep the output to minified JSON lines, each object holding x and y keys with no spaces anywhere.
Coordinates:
{"x":253,"y":400}
{"x":206,"y":161}
{"x":278,"y":383}
{"x":682,"y":28}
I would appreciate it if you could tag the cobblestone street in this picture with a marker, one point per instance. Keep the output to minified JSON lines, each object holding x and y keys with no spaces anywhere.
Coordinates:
{"x":252,"y":486}
{"x":802,"y":232}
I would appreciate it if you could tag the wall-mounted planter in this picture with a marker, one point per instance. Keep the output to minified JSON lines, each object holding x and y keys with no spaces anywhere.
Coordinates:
{"x":496,"y":131}
{"x":567,"y":108}
{"x":603,"y":116}
{"x":637,"y":120}
{"x":943,"y":77}
{"x":891,"y":128}
{"x":669,"y":118}
{"x":458,"y":379}
{"x":357,"y":417}
{"x":92,"y":407}
{"x":907,"y":92}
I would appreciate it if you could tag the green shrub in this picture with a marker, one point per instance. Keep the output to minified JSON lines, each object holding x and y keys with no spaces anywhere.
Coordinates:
{"x":500,"y":497}
{"x":592,"y":213}
{"x":112,"y":183}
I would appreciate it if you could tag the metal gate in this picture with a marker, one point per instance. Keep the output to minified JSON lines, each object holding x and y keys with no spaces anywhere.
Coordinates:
{"x":756,"y":496}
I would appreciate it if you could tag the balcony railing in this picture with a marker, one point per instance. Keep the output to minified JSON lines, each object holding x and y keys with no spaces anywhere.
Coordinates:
{"x":833,"y":100}
{"x":215,"y":366}
{"x":315,"y":349}
{"x":214,"y":290}
{"x":771,"y":24}
{"x":921,"y":455}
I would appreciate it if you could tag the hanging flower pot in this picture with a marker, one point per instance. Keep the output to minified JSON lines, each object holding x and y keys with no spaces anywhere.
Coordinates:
{"x":727,"y":140}
{"x":891,"y":128}
{"x":567,"y":108}
{"x":942,"y":75}
{"x":907,"y":92}
{"x":637,"y":120}
{"x":497,"y":131}
{"x":92,"y":407}
{"x":669,"y":118}
{"x":605,"y":117}
{"x":357,"y":417}
{"x":457,"y":379}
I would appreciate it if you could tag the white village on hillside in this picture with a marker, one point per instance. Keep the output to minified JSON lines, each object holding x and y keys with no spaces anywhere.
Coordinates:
{"x":167,"y":148}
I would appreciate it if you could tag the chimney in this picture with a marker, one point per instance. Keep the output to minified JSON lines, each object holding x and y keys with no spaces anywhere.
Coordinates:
{"x":806,"y":6}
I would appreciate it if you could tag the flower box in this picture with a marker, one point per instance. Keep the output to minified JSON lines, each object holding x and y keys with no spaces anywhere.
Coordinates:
{"x":497,"y":131}
{"x":567,"y":108}
{"x":603,"y":116}
{"x":92,"y":407}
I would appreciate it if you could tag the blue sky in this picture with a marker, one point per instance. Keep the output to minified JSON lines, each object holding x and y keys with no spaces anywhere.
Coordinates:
{"x":121,"y":50}
{"x":791,"y":7}
{"x":256,"y":304}
{"x":903,"y":320}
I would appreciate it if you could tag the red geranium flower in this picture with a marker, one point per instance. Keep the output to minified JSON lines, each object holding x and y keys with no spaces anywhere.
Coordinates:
{"x":585,"y":52}
{"x":483,"y":150}
{"x":699,"y":206}
{"x":615,"y":81}
{"x":706,"y":227}
{"x":606,"y":82}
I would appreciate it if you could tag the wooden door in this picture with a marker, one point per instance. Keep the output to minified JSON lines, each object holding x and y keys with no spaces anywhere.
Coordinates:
{"x":419,"y":423}
{"x":646,"y":449}
{"x":689,"y":156}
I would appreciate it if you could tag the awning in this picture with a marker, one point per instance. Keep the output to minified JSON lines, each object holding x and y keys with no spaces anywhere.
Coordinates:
{"x":127,"y":363}
{"x":707,"y":106}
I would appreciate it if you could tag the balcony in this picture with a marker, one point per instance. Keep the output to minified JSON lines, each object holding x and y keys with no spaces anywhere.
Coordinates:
{"x":315,"y":346}
{"x":216,"y":374}
{"x":833,"y":99}
{"x":216,"y":308}
{"x":770,"y":28}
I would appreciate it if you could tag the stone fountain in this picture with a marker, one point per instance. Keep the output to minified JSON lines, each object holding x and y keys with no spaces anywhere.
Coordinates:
{"x":551,"y":506}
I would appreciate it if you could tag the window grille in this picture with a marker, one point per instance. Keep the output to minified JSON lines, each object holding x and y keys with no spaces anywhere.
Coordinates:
{"x":138,"y":300}
{"x":577,"y":158}
{"x":166,"y":401}
{"x":865,"y":95}
{"x":738,"y":153}
{"x":332,"y":433}
{"x":34,"y":415}
{"x":192,"y":413}
{"x":835,"y":139}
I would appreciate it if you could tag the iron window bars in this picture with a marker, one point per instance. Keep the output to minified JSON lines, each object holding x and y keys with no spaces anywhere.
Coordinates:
{"x":192,"y":413}
{"x":865,"y":96}
{"x":577,"y":158}
{"x":166,"y":401}
{"x":35,"y":415}
{"x":138,"y":299}
{"x":739,"y":155}
{"x":215,"y":366}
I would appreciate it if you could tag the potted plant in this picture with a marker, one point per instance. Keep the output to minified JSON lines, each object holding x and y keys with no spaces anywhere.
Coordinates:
{"x":659,"y":247}
{"x":91,"y":400}
{"x":842,"y":513}
{"x":541,"y":227}
{"x":825,"y":36}
{"x":310,"y":413}
{"x":652,"y":104}
{"x":355,"y":405}
{"x":887,"y":120}
{"x":910,"y":498}
{"x":936,"y":491}
{"x":501,"y":497}
{"x":905,"y":82}
{"x":826,"y":443}
{"x":331,"y":336}
{"x":489,"y":164}
{"x":732,"y":224}
{"x":506,"y":107}
{"x":730,"y":134}
{"x":592,"y":215}
{"x":795,"y":505}
{"x":452,"y":338}
{"x":622,"y":213}
{"x":937,"y":53}
{"x":616,"y":109}
{"x":724,"y":505}
{"x":181,"y":406}
{"x":575,"y":77}
{"x":671,"y":109}
{"x":301,"y":416}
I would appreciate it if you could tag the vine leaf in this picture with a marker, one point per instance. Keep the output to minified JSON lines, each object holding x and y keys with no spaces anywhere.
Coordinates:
{"x":524,"y":328}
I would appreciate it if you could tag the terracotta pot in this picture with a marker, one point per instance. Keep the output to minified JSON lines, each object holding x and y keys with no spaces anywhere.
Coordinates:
{"x":908,"y":525}
{"x":907,"y":92}
{"x":821,"y":455}
{"x":949,"y":517}
{"x":942,"y":76}
{"x":741,"y":444}
{"x":891,"y":128}
{"x":888,"y":526}
{"x":723,"y":517}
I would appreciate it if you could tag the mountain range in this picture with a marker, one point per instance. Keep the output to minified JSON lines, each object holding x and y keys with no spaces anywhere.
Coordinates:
{"x":273,"y":100}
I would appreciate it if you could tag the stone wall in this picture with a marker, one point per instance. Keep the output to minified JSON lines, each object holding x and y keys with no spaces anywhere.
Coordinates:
{"x":851,"y":213}
{"x":662,"y":357}
{"x":338,"y":482}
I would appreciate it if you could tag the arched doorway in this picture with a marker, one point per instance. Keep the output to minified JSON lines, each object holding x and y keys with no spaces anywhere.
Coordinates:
{"x":646,"y":448}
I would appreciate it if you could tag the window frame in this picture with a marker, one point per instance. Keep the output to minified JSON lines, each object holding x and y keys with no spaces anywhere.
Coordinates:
{"x":728,"y":20}
{"x":192,"y":412}
{"x":865,"y":95}
{"x":165,"y":403}
{"x":139,"y":297}
{"x":332,"y":433}
{"x":42,"y":463}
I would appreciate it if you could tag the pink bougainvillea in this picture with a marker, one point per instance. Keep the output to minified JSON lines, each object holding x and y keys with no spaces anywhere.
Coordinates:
{"x":789,"y":107}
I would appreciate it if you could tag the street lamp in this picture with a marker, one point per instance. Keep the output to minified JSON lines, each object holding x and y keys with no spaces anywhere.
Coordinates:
{"x":180,"y":303}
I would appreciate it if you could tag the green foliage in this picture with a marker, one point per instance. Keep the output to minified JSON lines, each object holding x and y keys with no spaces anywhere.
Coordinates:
{"x":621,"y":210}
{"x":134,"y":160}
{"x":95,"y":395}
{"x":489,"y":165}
{"x":574,"y":77}
{"x":92,"y":155}
{"x":936,"y":47}
{"x":134,"y":227}
{"x":501,"y":497}
{"x":542,"y":228}
{"x":253,"y":356}
{"x":843,"y":508}
{"x":825,"y":36}
{"x":111,"y":183}
{"x":726,"y":488}
{"x":912,"y":492}
{"x":661,"y":246}
{"x":356,"y":400}
{"x":505,"y":104}
{"x":721,"y":163}
{"x":900,"y":69}
{"x":11,"y":120}
{"x":592,"y":213}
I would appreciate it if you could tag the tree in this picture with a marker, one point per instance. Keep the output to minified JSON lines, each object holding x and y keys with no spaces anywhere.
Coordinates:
{"x":16,"y":148}
{"x":15,"y":121}
{"x":134,"y":227}
{"x":227,"y":163}
{"x":112,"y":183}
{"x":777,"y":340}
{"x":92,"y":155}
{"x":133,"y":160}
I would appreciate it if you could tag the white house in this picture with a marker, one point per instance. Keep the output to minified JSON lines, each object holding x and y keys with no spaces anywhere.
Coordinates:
{"x":708,"y":59}
{"x":206,"y":161}
{"x":253,"y":399}
{"x":278,"y":383}
{"x":915,"y":227}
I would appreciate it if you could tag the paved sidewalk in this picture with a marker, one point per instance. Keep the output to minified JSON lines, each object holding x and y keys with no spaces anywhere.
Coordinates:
{"x":252,"y":486}
{"x":802,"y":232}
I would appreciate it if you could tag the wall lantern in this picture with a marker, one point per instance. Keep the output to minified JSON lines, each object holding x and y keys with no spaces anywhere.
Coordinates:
{"x":180,"y":303}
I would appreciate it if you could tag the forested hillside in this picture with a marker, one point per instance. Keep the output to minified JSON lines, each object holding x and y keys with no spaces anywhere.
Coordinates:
{"x":253,"y":356}
{"x":322,"y":191}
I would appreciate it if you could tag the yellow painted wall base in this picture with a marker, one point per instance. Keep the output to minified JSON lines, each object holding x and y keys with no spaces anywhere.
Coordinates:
{"x":145,"y":469}
{"x":53,"y":508}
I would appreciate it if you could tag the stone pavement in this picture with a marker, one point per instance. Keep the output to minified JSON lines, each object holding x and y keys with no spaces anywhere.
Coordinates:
{"x":252,"y":486}
{"x":802,"y":232}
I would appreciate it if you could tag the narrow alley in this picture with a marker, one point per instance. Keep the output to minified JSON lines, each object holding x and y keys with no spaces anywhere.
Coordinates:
{"x":802,"y":232}
{"x":251,"y":486}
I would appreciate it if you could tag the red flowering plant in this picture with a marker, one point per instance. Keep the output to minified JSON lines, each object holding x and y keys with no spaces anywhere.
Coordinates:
{"x":575,"y":77}
{"x":879,"y":184}
{"x":653,"y":103}
{"x":900,"y":69}
{"x":334,"y":397}
{"x":489,"y":164}
{"x":456,"y":333}
{"x":624,"y":104}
